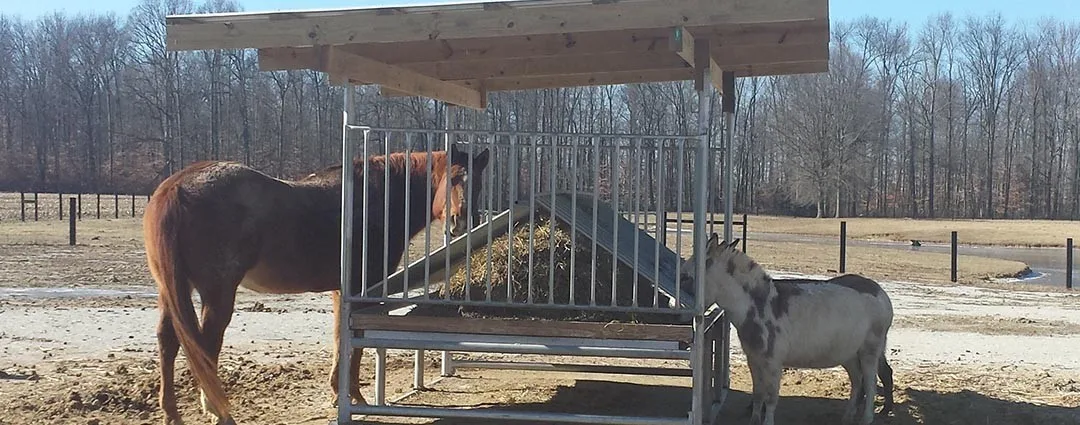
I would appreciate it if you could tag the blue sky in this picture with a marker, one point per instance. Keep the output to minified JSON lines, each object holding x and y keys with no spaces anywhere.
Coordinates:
{"x":914,"y":12}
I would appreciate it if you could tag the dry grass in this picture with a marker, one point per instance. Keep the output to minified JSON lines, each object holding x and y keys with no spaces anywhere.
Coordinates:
{"x":1034,"y":233}
{"x":881,"y":263}
{"x":551,"y":277}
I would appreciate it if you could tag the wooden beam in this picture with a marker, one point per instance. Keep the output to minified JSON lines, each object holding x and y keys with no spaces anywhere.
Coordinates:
{"x":551,"y":45}
{"x":682,"y":42}
{"x":614,"y":78}
{"x":528,"y":67}
{"x":345,"y":66}
{"x":237,"y":31}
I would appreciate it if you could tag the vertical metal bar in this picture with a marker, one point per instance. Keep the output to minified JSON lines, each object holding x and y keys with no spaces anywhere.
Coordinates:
{"x":447,"y":364}
{"x":380,"y":376}
{"x":681,"y":146}
{"x":116,"y":205}
{"x":427,"y":214}
{"x":729,"y":128}
{"x":408,"y":206}
{"x":595,"y":224}
{"x":843,"y":246}
{"x":700,"y":376}
{"x":345,"y":342}
{"x":490,"y":176}
{"x":532,"y":215}
{"x":515,"y":171}
{"x":573,"y":217}
{"x":22,"y":206}
{"x":615,"y":221}
{"x":551,"y":223}
{"x":386,"y":214}
{"x":637,"y":214}
{"x":661,"y":219}
{"x":98,"y":206}
{"x":469,"y":218}
{"x":952,"y":254}
{"x":418,"y":370}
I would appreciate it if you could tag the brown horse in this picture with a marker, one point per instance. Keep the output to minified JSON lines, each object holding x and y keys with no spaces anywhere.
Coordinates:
{"x":218,"y":225}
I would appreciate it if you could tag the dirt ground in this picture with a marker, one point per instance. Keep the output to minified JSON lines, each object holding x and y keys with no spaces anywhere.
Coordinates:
{"x":77,"y":346}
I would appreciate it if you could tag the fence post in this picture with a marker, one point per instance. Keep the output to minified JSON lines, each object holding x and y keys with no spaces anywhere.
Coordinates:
{"x":843,"y":246}
{"x":80,"y":205}
{"x":22,"y":206}
{"x":35,"y":206}
{"x":98,"y":205}
{"x":60,"y":200}
{"x":952,"y":267}
{"x":116,"y":205}
{"x":1068,"y":263}
{"x":132,"y":205}
{"x":71,"y":222}
{"x":744,"y":233}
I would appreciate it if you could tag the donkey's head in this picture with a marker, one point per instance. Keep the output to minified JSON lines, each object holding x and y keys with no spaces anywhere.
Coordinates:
{"x":729,"y":273}
{"x":460,"y":183}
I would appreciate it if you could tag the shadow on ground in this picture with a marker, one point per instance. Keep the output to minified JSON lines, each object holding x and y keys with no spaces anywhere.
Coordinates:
{"x":913,"y":407}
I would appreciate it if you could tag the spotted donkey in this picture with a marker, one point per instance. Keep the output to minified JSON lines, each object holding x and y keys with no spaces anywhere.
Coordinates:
{"x":781,"y":324}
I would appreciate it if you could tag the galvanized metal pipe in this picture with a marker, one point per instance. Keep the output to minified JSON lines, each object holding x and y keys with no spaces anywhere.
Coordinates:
{"x":511,"y":415}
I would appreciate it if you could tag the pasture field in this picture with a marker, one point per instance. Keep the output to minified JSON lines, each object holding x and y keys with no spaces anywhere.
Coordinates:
{"x":1028,"y":233}
{"x":974,"y":353}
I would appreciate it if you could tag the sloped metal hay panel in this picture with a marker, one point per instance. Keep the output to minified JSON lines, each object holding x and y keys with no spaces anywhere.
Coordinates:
{"x":498,"y":280}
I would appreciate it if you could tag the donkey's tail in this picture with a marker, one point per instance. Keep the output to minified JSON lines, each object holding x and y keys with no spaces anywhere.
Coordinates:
{"x":161,"y":231}
{"x":885,"y":373}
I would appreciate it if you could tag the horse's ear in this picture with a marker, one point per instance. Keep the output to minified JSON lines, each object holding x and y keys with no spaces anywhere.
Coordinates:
{"x":734,"y":243}
{"x":481,"y":160}
{"x":713,"y":242}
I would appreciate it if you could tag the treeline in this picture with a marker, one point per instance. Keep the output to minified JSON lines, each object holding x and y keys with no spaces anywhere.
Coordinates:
{"x":970,"y":116}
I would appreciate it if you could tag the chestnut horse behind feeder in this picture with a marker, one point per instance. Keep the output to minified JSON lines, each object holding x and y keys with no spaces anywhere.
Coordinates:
{"x":218,"y":225}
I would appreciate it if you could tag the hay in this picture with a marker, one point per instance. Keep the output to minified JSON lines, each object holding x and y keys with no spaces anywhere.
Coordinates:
{"x":550,"y":281}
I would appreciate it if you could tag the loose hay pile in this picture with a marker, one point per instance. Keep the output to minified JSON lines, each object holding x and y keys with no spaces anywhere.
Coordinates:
{"x":551,"y":281}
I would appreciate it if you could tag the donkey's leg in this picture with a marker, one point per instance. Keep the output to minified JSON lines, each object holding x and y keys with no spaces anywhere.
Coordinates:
{"x":757,"y":397}
{"x":854,"y":372}
{"x":868,"y":361}
{"x":168,"y":347}
{"x":770,"y":379}
{"x":885,"y":372}
{"x":217,"y":311}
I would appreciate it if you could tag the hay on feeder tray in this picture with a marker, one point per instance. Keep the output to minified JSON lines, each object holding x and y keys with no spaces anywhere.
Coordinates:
{"x":551,"y":280}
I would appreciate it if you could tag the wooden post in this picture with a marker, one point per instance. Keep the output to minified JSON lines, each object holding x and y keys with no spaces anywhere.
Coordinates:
{"x":35,"y":206}
{"x":22,"y":206}
{"x":744,"y":233}
{"x":132,"y":205}
{"x":98,"y":205}
{"x":71,"y":222}
{"x":952,"y":267}
{"x":79,"y":209}
{"x":116,"y":205}
{"x":843,"y":246}
{"x":1068,"y":263}
{"x":60,"y":201}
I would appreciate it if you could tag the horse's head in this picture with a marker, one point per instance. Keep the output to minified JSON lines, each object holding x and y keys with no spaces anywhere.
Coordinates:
{"x":725,"y":269}
{"x":464,"y":173}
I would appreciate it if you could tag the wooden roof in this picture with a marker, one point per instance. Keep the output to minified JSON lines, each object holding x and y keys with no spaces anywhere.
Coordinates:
{"x":458,"y":52}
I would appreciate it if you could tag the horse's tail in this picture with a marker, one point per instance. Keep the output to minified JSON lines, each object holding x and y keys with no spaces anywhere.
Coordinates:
{"x":161,"y":230}
{"x":885,"y":373}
